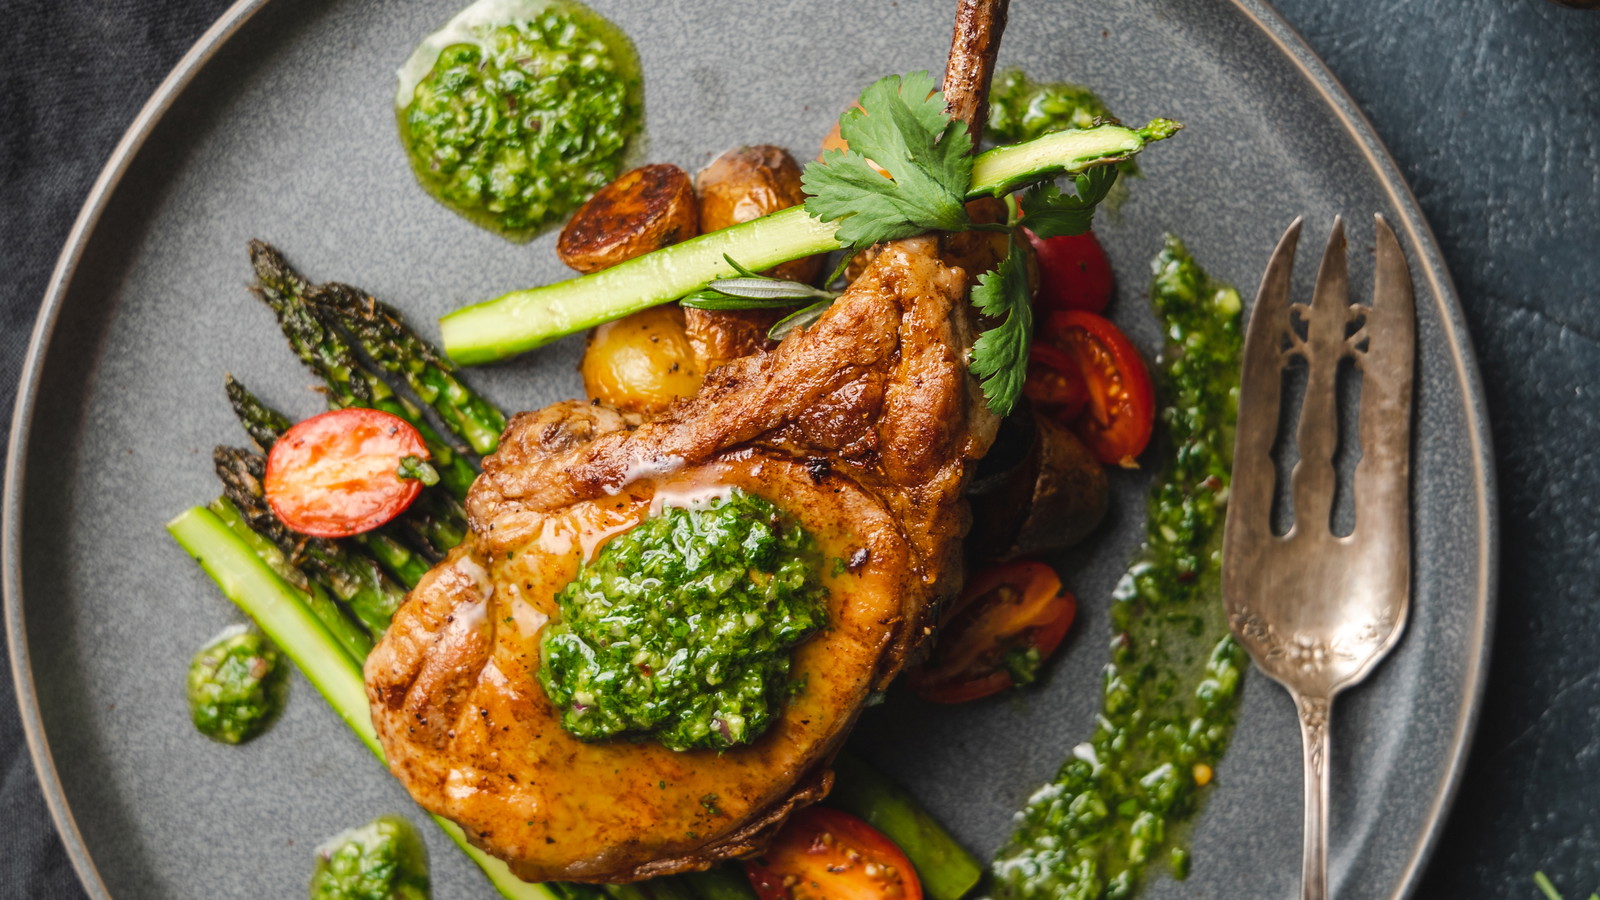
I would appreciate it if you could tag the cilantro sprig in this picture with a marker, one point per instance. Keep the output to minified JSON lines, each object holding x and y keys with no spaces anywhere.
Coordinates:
{"x":1000,"y":355}
{"x":901,"y":127}
{"x":1051,"y":213}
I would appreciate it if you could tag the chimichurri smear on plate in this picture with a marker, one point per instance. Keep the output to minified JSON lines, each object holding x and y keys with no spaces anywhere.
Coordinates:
{"x":1171,"y":690}
{"x":236,"y":686}
{"x":517,"y":111}
{"x":680,"y":630}
{"x":384,"y":859}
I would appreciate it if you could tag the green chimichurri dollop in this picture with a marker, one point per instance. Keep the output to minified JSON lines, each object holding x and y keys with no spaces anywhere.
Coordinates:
{"x":681,"y":628}
{"x":236,"y":686}
{"x":519,"y":110}
{"x":1021,"y":109}
{"x":1171,"y":690}
{"x":382,"y":860}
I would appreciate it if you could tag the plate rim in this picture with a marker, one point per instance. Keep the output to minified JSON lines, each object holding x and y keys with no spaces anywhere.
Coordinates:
{"x":1284,"y":37}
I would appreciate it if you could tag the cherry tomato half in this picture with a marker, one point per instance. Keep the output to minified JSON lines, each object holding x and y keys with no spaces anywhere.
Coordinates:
{"x":1010,"y":618}
{"x":1074,"y":272}
{"x":335,"y":474}
{"x":1121,"y":413}
{"x":827,"y":854}
{"x":1054,"y":385}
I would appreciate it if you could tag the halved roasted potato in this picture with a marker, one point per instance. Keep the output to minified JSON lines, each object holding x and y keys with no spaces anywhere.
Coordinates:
{"x":639,"y":364}
{"x":746,"y":183}
{"x":1039,"y":489}
{"x":743,"y":184}
{"x":643,"y":210}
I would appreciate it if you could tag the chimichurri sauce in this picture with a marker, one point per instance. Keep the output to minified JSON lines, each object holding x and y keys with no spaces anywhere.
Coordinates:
{"x":681,"y":628}
{"x":519,"y":110}
{"x":1171,"y":690}
{"x":1021,"y":109}
{"x":384,"y":859}
{"x":236,"y":686}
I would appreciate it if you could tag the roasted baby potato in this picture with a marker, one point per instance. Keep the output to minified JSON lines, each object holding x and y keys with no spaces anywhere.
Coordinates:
{"x":1040,"y":489}
{"x":643,"y":210}
{"x":743,"y":184}
{"x":720,"y":335}
{"x":1070,"y":495}
{"x":746,"y":183}
{"x":641,"y":363}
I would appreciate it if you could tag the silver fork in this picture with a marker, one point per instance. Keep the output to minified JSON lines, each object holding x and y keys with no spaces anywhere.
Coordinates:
{"x":1316,"y":610}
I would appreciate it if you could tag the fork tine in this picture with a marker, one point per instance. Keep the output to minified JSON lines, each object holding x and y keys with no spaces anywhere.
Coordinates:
{"x":1260,"y":387}
{"x":1388,"y":370}
{"x":1314,"y":476}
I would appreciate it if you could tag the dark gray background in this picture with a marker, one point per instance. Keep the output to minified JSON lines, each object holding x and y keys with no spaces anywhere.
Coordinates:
{"x":1493,"y":112}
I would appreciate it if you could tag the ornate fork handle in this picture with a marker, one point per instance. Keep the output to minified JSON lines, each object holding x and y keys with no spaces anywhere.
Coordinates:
{"x":1317,"y":610}
{"x":1314,"y":737}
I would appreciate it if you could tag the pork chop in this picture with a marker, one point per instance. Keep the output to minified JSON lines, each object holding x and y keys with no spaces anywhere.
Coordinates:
{"x":863,"y":427}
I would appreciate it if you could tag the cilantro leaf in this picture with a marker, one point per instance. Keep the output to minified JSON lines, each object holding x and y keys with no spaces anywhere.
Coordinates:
{"x":1048,"y":213}
{"x":1000,"y":355}
{"x":901,"y":126}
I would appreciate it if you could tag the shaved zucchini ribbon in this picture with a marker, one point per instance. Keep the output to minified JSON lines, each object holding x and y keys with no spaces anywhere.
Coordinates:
{"x":526,"y":319}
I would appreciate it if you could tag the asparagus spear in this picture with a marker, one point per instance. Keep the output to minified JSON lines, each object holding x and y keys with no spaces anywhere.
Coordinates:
{"x":358,"y":581}
{"x":347,"y":633}
{"x":407,"y":566}
{"x":384,"y":335}
{"x":522,"y":320}
{"x":326,"y":352}
{"x":440,"y":519}
{"x":265,"y":424}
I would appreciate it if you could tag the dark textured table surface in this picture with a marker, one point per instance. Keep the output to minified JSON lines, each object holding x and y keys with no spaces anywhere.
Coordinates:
{"x":1492,"y":109}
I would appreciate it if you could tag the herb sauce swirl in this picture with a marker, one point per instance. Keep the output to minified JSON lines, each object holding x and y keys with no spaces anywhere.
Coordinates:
{"x":236,"y":685}
{"x":1171,"y":691}
{"x":384,"y":859}
{"x":517,"y":111}
{"x":680,"y":629}
{"x":1021,"y":109}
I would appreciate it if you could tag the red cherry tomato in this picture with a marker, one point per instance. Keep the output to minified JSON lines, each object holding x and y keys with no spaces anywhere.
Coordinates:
{"x":1009,"y":609}
{"x":1121,"y":413}
{"x":1074,"y":272}
{"x":826,"y":854}
{"x":1054,"y":384}
{"x":335,"y":474}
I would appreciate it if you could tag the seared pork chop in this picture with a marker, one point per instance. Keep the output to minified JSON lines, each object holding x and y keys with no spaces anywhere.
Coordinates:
{"x":863,"y":426}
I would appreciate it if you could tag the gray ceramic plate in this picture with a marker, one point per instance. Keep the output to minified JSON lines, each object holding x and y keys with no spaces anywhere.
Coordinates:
{"x":278,"y":125}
